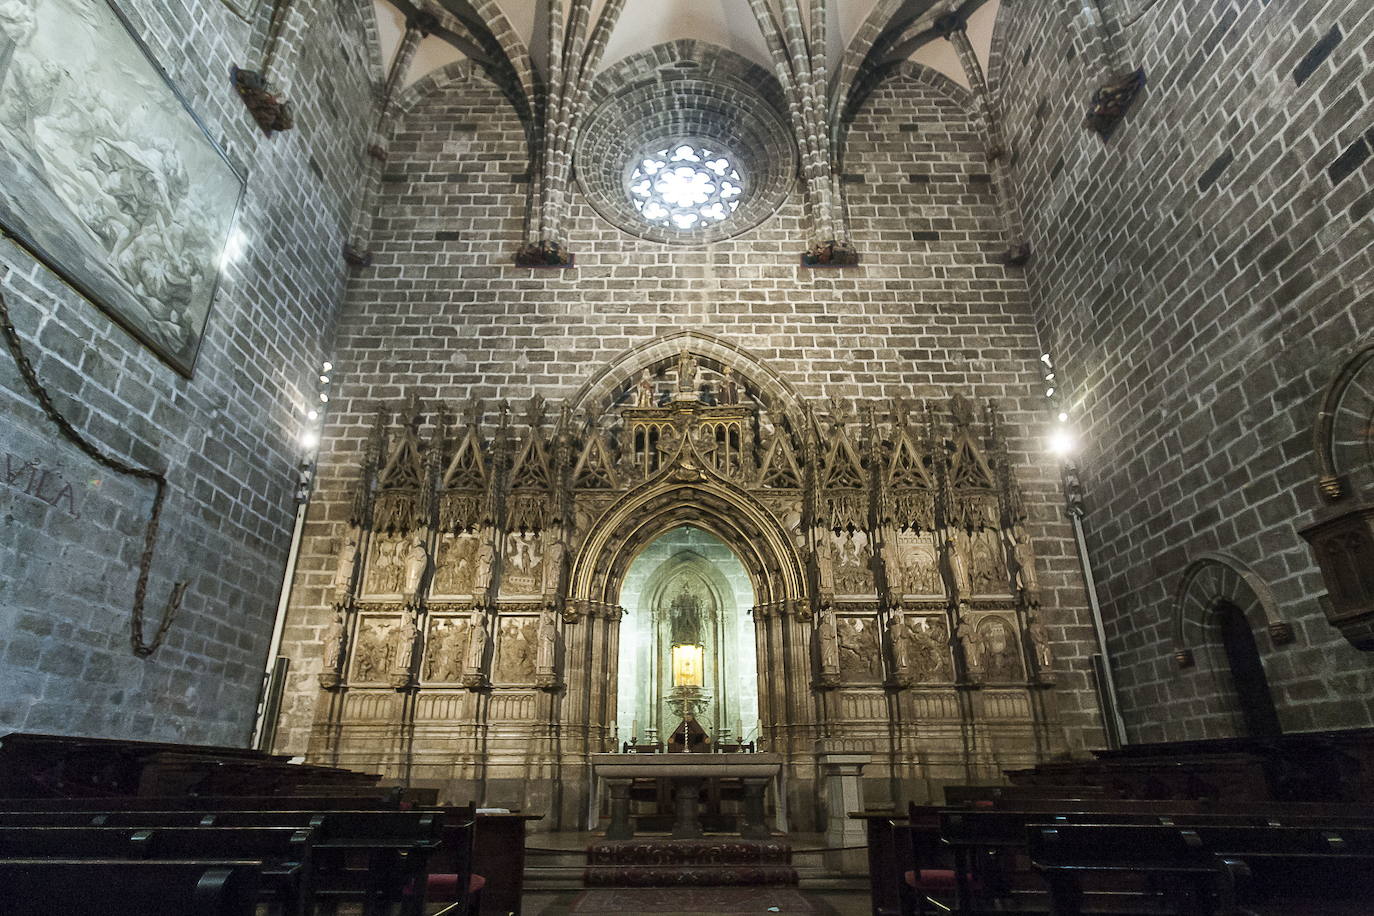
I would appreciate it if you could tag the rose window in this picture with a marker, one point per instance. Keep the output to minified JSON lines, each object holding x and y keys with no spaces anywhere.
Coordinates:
{"x":685,"y":187}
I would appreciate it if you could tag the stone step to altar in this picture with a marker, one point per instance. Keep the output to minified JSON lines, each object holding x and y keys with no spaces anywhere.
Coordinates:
{"x":658,"y":851}
{"x":720,"y":862}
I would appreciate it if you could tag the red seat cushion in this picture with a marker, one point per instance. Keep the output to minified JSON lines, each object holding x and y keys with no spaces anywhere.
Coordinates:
{"x":934,"y":880}
{"x":445,"y":886}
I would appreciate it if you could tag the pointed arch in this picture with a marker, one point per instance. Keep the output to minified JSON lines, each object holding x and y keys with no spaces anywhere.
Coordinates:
{"x":639,"y":518}
{"x":1212,"y":577}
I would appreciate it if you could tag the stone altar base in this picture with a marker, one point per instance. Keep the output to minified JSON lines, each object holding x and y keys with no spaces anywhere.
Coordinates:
{"x":664,"y":862}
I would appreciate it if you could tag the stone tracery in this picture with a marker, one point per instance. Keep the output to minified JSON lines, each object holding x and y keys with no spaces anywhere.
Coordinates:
{"x":869,"y":537}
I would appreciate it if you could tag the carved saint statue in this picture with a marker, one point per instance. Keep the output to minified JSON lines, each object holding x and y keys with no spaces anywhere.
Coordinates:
{"x":644,"y":390}
{"x":334,"y":641}
{"x":548,"y":639}
{"x":729,"y":388}
{"x":417,"y":559}
{"x":343,"y":572}
{"x":486,"y":555}
{"x":967,"y":635}
{"x":687,"y":371}
{"x":1000,"y":654}
{"x":684,"y":616}
{"x":477,"y":645}
{"x":406,"y":635}
{"x":1026,"y":580}
{"x":1040,"y":639}
{"x":829,"y":638}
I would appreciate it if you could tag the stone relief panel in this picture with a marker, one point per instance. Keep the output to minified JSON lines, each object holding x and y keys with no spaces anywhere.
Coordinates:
{"x":374,"y":649}
{"x":918,"y":566}
{"x":853,"y":558}
{"x":993,"y":650}
{"x":517,"y":650}
{"x":445,"y":649}
{"x":860,"y":654}
{"x":455,"y":565}
{"x":983,"y":561}
{"x":921,"y":647}
{"x":386,"y":565}
{"x":522,"y":574}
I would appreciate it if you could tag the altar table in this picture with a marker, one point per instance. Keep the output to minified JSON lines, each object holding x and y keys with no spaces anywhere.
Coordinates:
{"x":686,"y":771}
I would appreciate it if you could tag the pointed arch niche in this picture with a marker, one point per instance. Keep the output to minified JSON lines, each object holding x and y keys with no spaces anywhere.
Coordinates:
{"x":686,"y":587}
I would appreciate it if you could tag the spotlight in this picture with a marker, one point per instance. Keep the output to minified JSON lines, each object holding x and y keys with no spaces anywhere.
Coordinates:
{"x":324,"y":379}
{"x":1063,"y":418}
{"x":312,"y":415}
{"x":1045,"y":358}
{"x":1049,"y":392}
{"x":324,"y":398}
{"x":327,"y":366}
{"x":310,"y":439}
{"x":1062,"y":442}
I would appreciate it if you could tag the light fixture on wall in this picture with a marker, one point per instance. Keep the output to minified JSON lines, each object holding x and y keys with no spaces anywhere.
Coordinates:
{"x":310,"y":436}
{"x":1062,"y":441}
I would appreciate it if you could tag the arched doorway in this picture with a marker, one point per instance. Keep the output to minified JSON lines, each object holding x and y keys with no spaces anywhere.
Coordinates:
{"x":687,"y":599}
{"x":1249,"y":685}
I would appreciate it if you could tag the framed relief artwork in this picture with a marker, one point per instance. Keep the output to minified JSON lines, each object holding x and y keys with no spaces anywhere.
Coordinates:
{"x":107,"y":176}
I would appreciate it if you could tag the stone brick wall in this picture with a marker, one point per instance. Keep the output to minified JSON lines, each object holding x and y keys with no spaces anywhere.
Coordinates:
{"x":1199,"y":278}
{"x":227,"y":437}
{"x":444,"y":315}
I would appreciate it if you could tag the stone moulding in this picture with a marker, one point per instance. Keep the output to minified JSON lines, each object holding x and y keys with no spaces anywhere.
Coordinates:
{"x":1332,"y":483}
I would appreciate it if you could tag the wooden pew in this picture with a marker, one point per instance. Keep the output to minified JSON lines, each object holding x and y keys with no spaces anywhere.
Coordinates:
{"x":376,"y":801}
{"x":96,"y":887}
{"x":973,"y":795}
{"x":1213,"y":868}
{"x":283,"y":851}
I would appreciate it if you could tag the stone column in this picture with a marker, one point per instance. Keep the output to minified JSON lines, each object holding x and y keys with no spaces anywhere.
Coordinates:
{"x":686,"y":799}
{"x":844,"y":792}
{"x":621,"y":826}
{"x":755,"y":826}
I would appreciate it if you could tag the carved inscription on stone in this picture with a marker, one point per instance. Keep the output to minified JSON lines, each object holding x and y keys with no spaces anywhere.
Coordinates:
{"x":445,"y":649}
{"x":373,"y":650}
{"x":455,"y":566}
{"x":386,"y":563}
{"x":31,"y":478}
{"x":517,"y":650}
{"x":860,"y":658}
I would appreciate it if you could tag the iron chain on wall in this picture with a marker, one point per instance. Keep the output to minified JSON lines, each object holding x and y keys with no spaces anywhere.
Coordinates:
{"x":141,"y":647}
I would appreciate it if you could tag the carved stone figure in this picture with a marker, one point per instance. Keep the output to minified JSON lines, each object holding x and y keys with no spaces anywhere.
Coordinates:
{"x":966,"y":634}
{"x":334,"y":640}
{"x":853,"y":564}
{"x":477,"y":648}
{"x":373,"y":652}
{"x":417,"y":560}
{"x":1026,"y":580}
{"x":827,"y":635}
{"x":486,"y":557}
{"x":1000,"y":654}
{"x":444,"y":650}
{"x":644,"y":391}
{"x":522,"y":572}
{"x":517,"y":652}
{"x":385,"y":571}
{"x":687,"y":372}
{"x":919,"y":567}
{"x":548,"y":640}
{"x":1040,"y":639}
{"x":554,"y":551}
{"x":343,"y":571}
{"x":729,"y":388}
{"x":954,"y":568}
{"x":936,"y":665}
{"x":825,"y":560}
{"x":987,"y":571}
{"x":859,"y":656}
{"x":406,"y":635}
{"x":455,"y":566}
